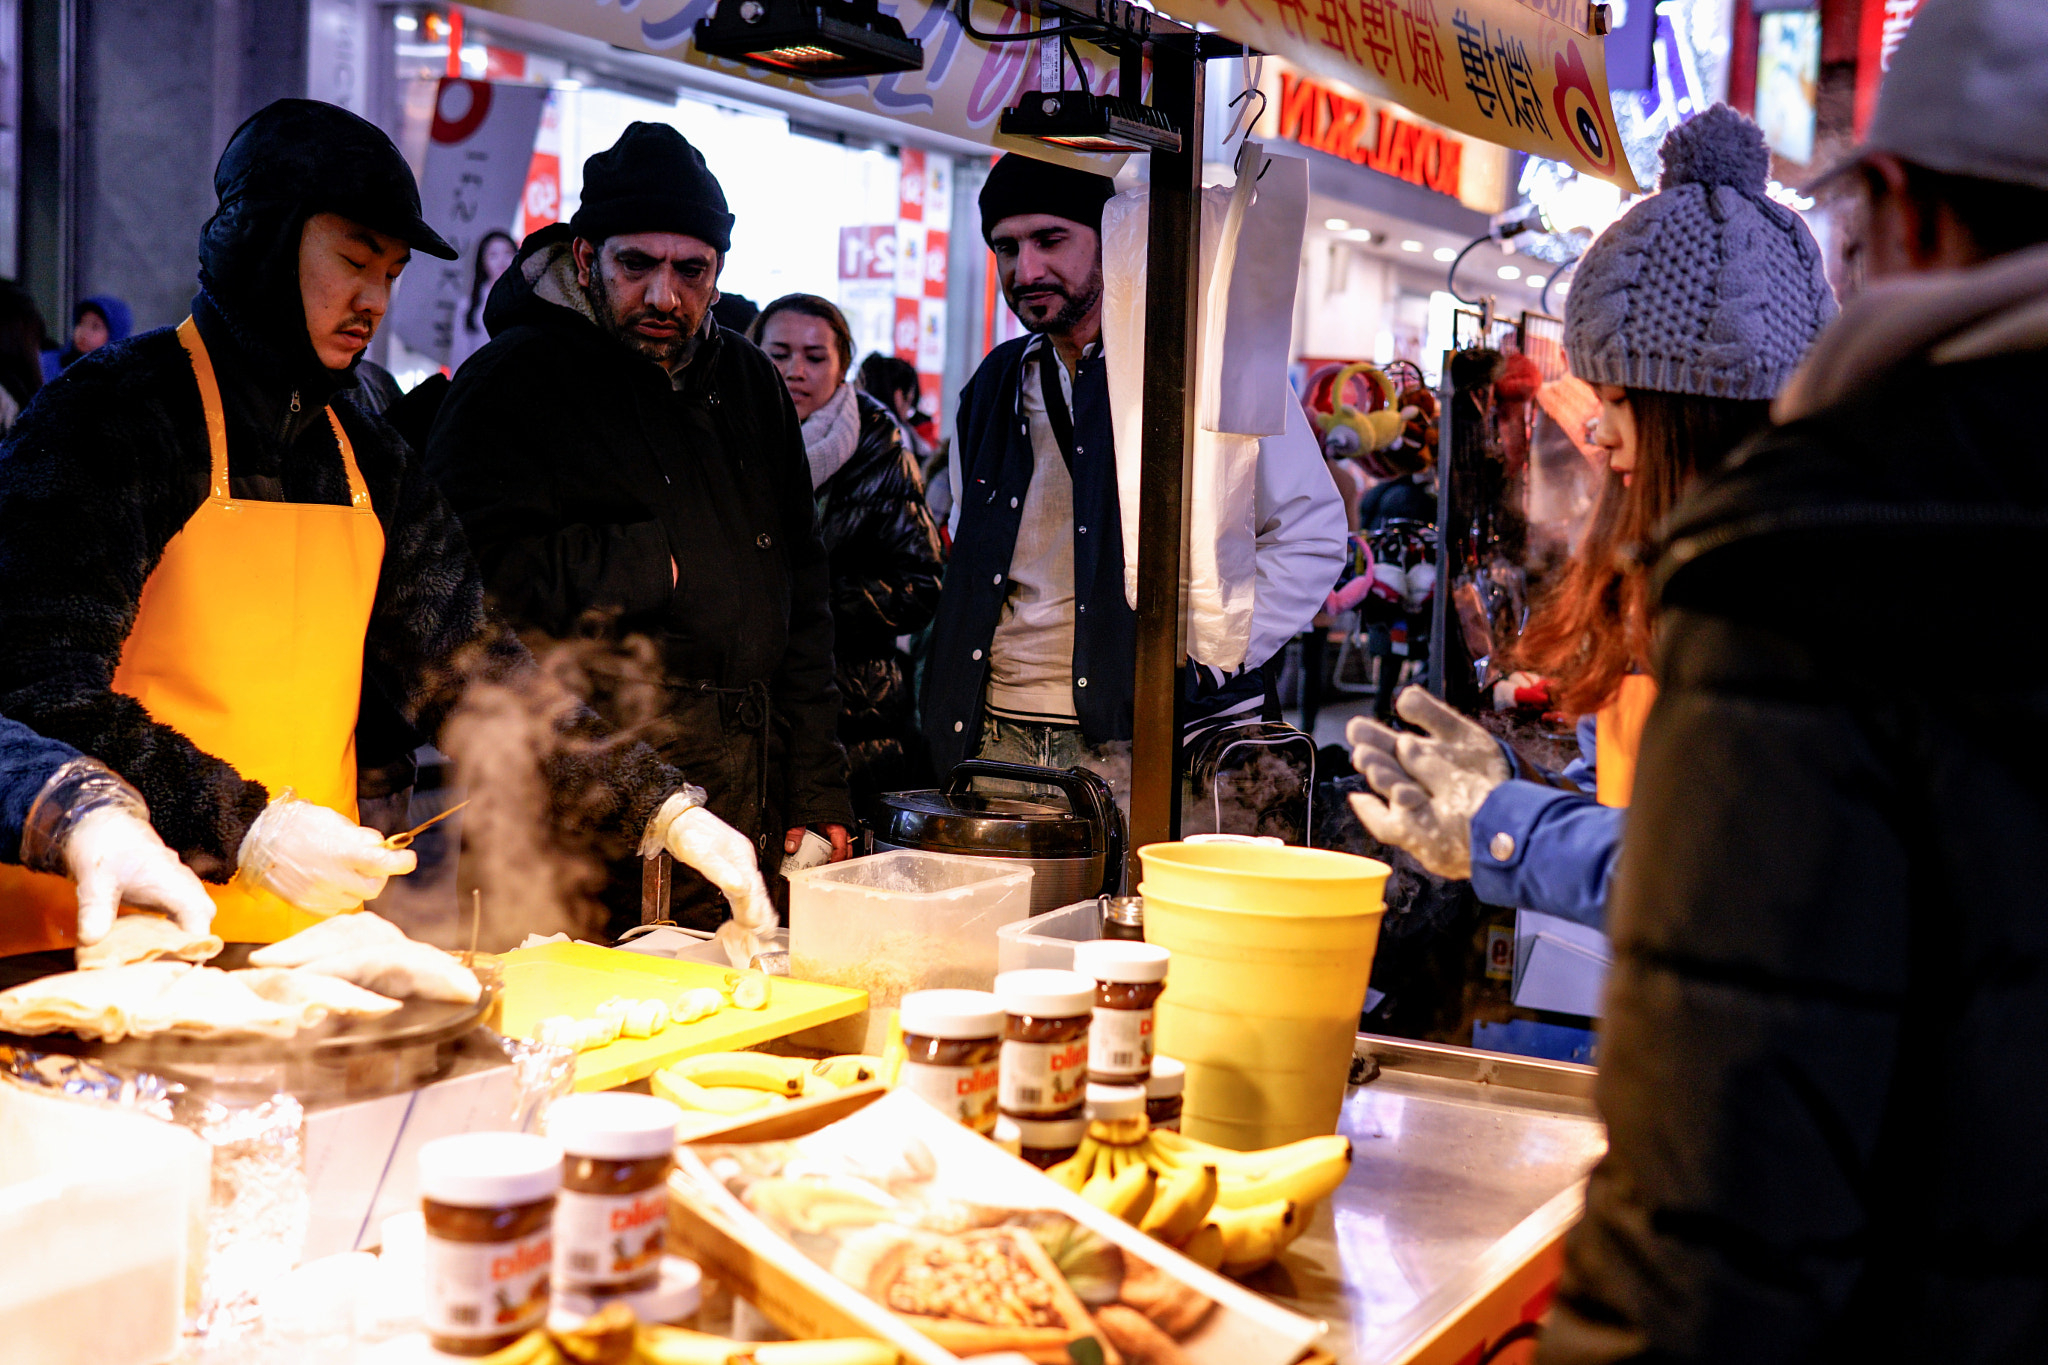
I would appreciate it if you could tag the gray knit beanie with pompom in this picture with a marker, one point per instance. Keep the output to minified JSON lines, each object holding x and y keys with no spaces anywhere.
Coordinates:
{"x":1707,"y":287}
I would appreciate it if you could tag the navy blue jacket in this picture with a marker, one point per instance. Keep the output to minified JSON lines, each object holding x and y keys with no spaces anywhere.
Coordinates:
{"x":994,"y":451}
{"x":26,"y":761}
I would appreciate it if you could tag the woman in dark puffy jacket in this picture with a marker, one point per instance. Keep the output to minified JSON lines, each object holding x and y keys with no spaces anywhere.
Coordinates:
{"x":884,"y":548}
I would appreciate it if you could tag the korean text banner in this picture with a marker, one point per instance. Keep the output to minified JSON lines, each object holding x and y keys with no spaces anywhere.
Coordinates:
{"x":1506,"y":71}
{"x":964,"y":87}
{"x":1501,"y":70}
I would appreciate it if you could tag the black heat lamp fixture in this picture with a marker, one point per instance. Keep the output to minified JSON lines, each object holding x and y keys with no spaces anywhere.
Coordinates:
{"x":1088,"y":122}
{"x":813,"y":40}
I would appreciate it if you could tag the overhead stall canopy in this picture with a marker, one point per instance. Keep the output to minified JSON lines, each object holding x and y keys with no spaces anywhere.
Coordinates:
{"x":1527,"y":74}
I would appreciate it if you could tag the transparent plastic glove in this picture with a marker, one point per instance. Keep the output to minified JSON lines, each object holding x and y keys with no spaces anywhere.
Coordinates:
{"x":89,"y":825}
{"x":320,"y":861}
{"x":722,"y":855}
{"x":1429,"y":785}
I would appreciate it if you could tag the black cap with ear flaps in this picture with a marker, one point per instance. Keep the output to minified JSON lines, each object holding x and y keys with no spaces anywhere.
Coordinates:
{"x":324,"y":159}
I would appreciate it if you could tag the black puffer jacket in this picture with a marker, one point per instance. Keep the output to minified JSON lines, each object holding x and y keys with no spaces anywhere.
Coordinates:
{"x":111,"y":460}
{"x":593,"y":486}
{"x":886,"y":562}
{"x":1822,"y":1055}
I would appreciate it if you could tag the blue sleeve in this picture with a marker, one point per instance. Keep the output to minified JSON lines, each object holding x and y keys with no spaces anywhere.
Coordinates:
{"x":1540,"y":848}
{"x":26,"y":762}
{"x":1583,"y":772}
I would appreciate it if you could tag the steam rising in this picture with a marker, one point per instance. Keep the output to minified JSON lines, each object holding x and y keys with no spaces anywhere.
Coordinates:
{"x":535,"y":759}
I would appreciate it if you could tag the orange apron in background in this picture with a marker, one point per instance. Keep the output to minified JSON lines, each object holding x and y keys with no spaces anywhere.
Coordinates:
{"x":1621,"y":737}
{"x":248,"y":641}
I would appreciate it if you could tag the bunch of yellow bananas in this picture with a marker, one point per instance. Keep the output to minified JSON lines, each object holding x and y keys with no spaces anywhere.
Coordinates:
{"x":614,"y":1338}
{"x":731,"y":1083}
{"x":1229,"y":1211}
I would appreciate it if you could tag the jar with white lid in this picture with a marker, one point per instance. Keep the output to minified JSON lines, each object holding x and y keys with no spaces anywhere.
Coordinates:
{"x":1045,"y":1042}
{"x":673,"y":1301}
{"x":611,"y":1224}
{"x":1116,"y":1114}
{"x":1163,"y":1096}
{"x":953,"y":1042}
{"x":1129,"y":979}
{"x":489,"y":1203}
{"x":1042,"y":1142}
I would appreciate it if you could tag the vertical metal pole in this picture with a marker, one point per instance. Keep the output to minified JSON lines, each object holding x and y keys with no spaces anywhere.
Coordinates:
{"x":1171,"y":308}
{"x":1440,"y":604}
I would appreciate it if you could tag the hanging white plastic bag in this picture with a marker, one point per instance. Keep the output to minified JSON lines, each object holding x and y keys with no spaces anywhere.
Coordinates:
{"x":1247,"y":339}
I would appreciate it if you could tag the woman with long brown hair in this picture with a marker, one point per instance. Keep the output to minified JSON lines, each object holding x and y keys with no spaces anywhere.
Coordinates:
{"x":1686,"y":317}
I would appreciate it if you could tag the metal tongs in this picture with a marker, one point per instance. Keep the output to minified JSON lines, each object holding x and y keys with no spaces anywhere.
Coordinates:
{"x":398,"y":841}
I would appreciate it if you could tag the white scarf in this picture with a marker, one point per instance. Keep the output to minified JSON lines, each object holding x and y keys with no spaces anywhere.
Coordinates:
{"x":830,"y":435}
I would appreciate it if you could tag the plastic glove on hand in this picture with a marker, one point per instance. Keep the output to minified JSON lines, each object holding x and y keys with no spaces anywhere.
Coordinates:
{"x":318,"y":860}
{"x":116,"y":858}
{"x":1429,"y":785}
{"x":725,"y":858}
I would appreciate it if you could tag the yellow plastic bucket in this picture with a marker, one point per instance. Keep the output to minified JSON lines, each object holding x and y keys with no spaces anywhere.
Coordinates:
{"x":1271,"y":948}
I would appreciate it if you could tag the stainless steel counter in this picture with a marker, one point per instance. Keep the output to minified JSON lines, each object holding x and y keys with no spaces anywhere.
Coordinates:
{"x":1465,"y":1164}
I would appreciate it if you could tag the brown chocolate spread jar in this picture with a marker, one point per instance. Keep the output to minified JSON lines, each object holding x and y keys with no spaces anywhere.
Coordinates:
{"x":1129,"y":979}
{"x":1042,"y":1142}
{"x":1163,"y":1093}
{"x":953,"y":1041}
{"x":1045,"y":1042}
{"x":489,"y":1204}
{"x":612,"y":1223}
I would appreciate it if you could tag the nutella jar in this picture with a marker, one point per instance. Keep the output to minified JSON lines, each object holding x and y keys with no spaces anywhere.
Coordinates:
{"x":954,"y":1044}
{"x":1045,"y":1042}
{"x":1163,"y":1093}
{"x":489,"y":1204}
{"x":1116,"y":1114}
{"x":1042,"y":1142}
{"x":612,"y":1221}
{"x":1123,"y":917}
{"x":1129,"y":978}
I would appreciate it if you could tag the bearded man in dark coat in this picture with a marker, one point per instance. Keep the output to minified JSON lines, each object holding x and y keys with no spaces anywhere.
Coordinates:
{"x":619,"y":460}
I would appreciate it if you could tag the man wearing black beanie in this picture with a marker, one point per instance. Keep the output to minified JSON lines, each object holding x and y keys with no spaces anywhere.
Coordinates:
{"x":1034,"y":650}
{"x":618,"y":458}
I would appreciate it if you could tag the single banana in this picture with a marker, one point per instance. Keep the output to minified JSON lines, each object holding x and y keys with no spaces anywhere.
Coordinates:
{"x":686,"y":1093}
{"x":1123,"y":1194}
{"x":839,"y":1351}
{"x":1175,"y":1149}
{"x":852,"y":1069}
{"x":1179,"y":1205}
{"x":1071,"y":1173}
{"x":1315,"y":1176}
{"x":1205,"y":1247}
{"x":535,"y":1348}
{"x":1252,"y":1237}
{"x":748,"y":1070}
{"x":663,"y":1345}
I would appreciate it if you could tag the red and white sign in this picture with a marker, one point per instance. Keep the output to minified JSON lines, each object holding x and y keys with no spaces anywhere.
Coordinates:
{"x":1377,"y":135}
{"x":868,"y":253}
{"x":478,"y":158}
{"x":1884,"y":23}
{"x":541,"y":202}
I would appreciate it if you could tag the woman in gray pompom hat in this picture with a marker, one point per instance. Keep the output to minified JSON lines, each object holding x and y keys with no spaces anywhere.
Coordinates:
{"x":1686,"y":316}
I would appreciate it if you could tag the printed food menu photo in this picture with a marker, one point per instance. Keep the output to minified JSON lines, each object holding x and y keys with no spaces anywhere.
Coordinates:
{"x":979,"y":1253}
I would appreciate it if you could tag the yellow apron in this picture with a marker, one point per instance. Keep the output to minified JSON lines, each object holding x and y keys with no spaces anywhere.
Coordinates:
{"x":1621,"y":736}
{"x":248,"y":641}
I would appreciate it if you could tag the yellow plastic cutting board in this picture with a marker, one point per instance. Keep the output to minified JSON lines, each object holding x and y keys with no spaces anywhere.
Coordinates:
{"x":574,"y":978}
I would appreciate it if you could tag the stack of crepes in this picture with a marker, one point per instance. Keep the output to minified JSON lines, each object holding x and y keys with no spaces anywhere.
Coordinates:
{"x":143,"y":981}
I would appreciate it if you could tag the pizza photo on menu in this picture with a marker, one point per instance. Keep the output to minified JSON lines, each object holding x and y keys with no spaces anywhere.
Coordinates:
{"x":980,"y":1254}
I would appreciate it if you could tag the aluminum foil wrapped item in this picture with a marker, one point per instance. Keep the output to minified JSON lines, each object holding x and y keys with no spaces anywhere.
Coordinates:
{"x":256,"y":1219}
{"x":85,"y":1079}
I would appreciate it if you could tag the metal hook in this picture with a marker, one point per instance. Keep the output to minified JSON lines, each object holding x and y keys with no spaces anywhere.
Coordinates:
{"x":1244,"y":97}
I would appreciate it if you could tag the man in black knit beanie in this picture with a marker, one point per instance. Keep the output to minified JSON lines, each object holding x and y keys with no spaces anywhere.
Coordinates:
{"x":620,"y":461}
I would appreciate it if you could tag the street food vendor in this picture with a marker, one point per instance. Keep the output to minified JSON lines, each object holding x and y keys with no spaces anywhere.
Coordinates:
{"x":1686,"y":358}
{"x":71,"y":816}
{"x":205,"y":539}
{"x":1034,"y":650}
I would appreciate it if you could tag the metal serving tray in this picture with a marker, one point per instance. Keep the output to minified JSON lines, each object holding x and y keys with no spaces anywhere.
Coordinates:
{"x":1467,"y":1169}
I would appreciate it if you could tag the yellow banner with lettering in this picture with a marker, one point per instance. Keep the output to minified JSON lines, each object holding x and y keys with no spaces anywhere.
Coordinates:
{"x":1507,"y":71}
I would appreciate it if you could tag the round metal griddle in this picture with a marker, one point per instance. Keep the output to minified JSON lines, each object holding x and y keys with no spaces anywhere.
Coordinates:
{"x":355,"y":1059}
